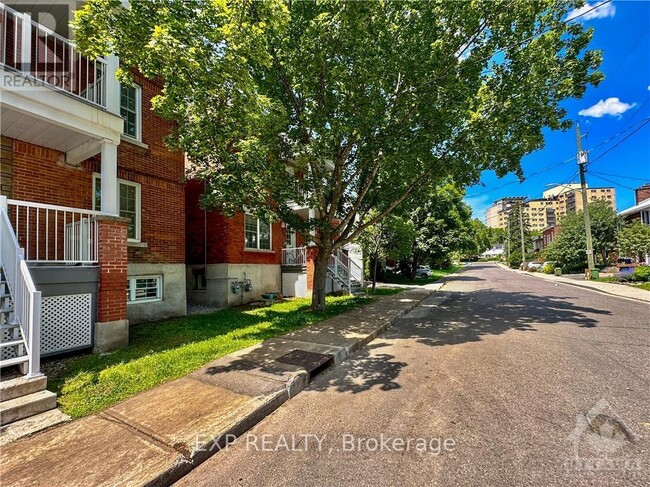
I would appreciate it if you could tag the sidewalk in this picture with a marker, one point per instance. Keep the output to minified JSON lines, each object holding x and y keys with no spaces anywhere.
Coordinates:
{"x":160,"y":435}
{"x":620,"y":290}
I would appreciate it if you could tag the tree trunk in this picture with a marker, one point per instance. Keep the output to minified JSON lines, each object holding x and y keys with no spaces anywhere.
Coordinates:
{"x":374,"y":274}
{"x":320,"y":280}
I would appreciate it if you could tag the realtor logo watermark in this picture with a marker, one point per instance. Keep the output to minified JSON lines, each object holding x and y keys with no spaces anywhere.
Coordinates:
{"x":598,"y":443}
{"x":345,"y":443}
{"x":42,"y":54}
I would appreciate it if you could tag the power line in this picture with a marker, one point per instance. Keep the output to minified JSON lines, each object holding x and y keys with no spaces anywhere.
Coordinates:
{"x":620,"y":176}
{"x":619,"y":142}
{"x":613,"y":182}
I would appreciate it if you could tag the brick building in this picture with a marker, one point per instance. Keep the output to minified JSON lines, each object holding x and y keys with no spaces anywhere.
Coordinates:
{"x":232,"y":261}
{"x":91,"y":192}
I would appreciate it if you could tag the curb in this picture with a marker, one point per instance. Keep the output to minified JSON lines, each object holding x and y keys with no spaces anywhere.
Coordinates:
{"x":186,"y":463}
{"x":569,"y":282}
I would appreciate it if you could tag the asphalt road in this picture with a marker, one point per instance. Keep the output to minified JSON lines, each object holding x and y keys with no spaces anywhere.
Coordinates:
{"x":500,"y":379}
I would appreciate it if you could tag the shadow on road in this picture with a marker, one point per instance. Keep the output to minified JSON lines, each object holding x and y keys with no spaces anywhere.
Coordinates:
{"x":464,"y":317}
{"x":467,"y":317}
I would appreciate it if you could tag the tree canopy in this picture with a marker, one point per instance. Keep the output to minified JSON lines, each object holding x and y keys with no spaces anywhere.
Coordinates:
{"x":348,"y":107}
{"x":569,"y":247}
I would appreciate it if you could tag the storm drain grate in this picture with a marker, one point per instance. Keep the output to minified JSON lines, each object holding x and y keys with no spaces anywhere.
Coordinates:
{"x":314,"y":363}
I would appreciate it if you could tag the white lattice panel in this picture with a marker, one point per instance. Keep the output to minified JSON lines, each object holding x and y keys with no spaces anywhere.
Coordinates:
{"x":66,"y":322}
{"x":6,"y":352}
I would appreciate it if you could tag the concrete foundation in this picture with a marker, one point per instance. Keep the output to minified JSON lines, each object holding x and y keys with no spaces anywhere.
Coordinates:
{"x":111,"y":335}
{"x":294,"y":282}
{"x":220,"y":278}
{"x":174,"y":301}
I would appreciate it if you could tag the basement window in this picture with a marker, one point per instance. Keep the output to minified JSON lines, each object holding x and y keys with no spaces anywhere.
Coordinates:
{"x":143,"y":289}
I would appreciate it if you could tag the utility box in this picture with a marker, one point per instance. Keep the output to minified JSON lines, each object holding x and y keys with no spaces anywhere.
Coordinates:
{"x":558,"y":272}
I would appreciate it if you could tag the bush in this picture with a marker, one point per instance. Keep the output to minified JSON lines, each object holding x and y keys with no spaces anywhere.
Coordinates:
{"x":548,"y":269}
{"x":641,"y":274}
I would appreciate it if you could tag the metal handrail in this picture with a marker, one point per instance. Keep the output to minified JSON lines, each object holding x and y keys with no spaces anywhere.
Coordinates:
{"x":26,"y":299}
{"x":52,"y":233}
{"x":50,"y":59}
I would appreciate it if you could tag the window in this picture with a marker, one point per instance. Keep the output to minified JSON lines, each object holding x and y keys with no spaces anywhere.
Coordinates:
{"x":131,"y":110}
{"x":290,"y":241}
{"x":143,"y":289}
{"x":257,"y":233}
{"x":198,"y":279}
{"x":129,"y":204}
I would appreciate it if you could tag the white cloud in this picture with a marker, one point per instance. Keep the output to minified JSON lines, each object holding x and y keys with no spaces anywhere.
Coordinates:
{"x":612,"y":106}
{"x":648,"y":87}
{"x":601,"y":11}
{"x":479,"y":204}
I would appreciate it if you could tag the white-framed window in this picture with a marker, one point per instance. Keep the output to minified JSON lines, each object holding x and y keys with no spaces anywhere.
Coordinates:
{"x":144,"y":289}
{"x":257,"y":233}
{"x":131,"y":110}
{"x":129,"y":204}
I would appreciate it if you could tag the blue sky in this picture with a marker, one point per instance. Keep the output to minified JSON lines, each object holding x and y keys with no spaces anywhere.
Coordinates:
{"x":619,"y":104}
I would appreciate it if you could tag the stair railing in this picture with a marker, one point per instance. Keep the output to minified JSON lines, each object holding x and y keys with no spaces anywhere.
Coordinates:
{"x":26,"y":299}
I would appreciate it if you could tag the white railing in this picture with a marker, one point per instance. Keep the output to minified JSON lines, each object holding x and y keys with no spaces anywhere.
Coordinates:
{"x":26,"y":299}
{"x":340,"y":271}
{"x":294,"y":256}
{"x":55,"y":234}
{"x":41,"y":54}
{"x":356,"y":271}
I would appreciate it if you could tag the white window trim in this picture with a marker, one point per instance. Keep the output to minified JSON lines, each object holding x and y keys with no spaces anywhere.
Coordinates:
{"x":138,"y":202}
{"x":138,"y":114}
{"x":258,"y":249}
{"x":132,"y":284}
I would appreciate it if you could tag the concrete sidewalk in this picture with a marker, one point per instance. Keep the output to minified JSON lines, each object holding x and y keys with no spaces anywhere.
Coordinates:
{"x":160,"y":435}
{"x":620,"y":290}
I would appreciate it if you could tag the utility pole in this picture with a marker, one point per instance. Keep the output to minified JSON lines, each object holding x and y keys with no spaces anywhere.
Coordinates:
{"x":582,"y":163}
{"x":508,"y":247}
{"x":521,"y":231}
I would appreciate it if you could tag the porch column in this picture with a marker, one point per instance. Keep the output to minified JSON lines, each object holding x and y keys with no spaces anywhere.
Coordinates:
{"x":112,"y":328}
{"x":109,"y":178}
{"x":112,"y":85}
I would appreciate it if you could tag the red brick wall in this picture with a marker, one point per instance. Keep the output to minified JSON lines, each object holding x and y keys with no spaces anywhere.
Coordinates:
{"x":111,"y":301}
{"x":642,"y":193}
{"x":225,"y":235}
{"x":312,"y":252}
{"x":41,"y":175}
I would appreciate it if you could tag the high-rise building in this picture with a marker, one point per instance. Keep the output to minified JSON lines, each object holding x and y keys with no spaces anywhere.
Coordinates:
{"x":547,"y":211}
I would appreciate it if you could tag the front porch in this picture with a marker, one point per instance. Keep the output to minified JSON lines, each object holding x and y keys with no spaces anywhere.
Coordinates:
{"x":344,"y":270}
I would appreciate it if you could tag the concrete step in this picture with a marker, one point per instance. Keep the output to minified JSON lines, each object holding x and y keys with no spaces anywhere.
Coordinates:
{"x":31,"y":425}
{"x":26,"y":406}
{"x":21,"y":386}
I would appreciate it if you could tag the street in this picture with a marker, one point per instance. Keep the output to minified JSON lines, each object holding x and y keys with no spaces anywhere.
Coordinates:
{"x":498,"y":379}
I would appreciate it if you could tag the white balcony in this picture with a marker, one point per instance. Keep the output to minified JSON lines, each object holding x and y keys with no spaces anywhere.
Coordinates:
{"x":51,"y":95}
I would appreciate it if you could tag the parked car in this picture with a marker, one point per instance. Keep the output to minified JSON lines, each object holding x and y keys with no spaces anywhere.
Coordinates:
{"x":424,"y":271}
{"x":535,"y":265}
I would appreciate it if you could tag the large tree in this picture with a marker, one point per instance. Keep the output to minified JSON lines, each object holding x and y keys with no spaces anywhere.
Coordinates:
{"x":364,"y":103}
{"x":634,"y":240}
{"x":518,"y":226}
{"x":569,"y":247}
{"x":442,"y":225}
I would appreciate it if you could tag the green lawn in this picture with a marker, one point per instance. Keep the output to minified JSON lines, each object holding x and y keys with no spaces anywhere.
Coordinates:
{"x":165,"y":350}
{"x":645,"y":285}
{"x":435,"y":275}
